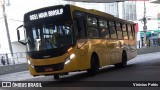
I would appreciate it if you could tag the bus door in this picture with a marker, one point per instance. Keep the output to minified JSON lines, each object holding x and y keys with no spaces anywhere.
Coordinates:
{"x":82,"y":45}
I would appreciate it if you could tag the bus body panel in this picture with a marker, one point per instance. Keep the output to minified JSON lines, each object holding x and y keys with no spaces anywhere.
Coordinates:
{"x":84,"y":55}
{"x":109,"y":51}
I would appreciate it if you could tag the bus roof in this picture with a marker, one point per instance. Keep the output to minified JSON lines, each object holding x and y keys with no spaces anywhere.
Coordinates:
{"x":101,"y":14}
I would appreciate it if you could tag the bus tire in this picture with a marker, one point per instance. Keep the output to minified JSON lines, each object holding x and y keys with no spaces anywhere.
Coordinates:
{"x":56,"y":76}
{"x":124,"y":61}
{"x":94,"y":65}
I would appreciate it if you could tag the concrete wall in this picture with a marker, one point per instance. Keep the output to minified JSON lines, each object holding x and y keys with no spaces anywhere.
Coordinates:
{"x":13,"y":68}
{"x":17,"y":47}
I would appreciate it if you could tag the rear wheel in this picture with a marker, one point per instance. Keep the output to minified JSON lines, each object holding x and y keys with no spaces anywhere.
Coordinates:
{"x":124,"y":61}
{"x":94,"y":66}
{"x":56,"y":76}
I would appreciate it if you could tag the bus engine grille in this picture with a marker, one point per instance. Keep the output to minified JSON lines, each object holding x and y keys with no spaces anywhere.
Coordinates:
{"x":53,"y":67}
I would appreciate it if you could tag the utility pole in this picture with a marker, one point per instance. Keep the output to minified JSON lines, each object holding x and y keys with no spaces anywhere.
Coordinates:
{"x":117,"y":9}
{"x":7,"y":29}
{"x":145,"y":26}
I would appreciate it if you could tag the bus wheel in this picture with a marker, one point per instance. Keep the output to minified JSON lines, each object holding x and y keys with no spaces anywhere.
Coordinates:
{"x":124,"y":61}
{"x":56,"y":76}
{"x":94,"y":65}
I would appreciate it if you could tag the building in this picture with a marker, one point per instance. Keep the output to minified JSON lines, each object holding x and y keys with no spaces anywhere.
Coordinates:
{"x":129,"y":10}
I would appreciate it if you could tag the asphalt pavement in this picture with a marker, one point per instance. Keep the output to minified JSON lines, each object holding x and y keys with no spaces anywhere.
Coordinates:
{"x":144,"y":65}
{"x":145,"y":68}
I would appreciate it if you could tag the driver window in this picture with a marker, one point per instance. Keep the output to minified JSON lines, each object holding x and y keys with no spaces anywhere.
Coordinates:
{"x":80,"y":24}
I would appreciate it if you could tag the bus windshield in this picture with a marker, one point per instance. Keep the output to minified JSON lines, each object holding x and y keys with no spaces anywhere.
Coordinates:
{"x":44,"y":37}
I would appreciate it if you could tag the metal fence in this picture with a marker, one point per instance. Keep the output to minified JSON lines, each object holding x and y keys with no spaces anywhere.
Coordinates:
{"x":148,"y":43}
{"x":7,"y":59}
{"x":20,"y":57}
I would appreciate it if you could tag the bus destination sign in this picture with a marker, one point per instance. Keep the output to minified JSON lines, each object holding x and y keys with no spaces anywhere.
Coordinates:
{"x":46,"y":14}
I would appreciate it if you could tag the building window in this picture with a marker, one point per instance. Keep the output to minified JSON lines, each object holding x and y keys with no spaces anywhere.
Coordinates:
{"x":129,"y":10}
{"x":112,"y":8}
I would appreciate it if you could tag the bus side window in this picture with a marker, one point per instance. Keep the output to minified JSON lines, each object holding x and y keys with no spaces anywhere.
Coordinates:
{"x":133,"y":31}
{"x":125,"y":33}
{"x":112,"y":30}
{"x":81,"y":29}
{"x":130,"y":32}
{"x":119,"y":30}
{"x":80,"y":23}
{"x":103,"y":25}
{"x":93,"y":31}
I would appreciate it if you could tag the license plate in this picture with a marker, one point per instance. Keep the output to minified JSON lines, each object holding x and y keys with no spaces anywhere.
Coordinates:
{"x":48,"y":69}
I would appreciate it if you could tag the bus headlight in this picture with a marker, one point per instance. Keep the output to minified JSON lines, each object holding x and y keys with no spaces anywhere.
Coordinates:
{"x":68,"y":59}
{"x":29,"y":62}
{"x":72,"y":56}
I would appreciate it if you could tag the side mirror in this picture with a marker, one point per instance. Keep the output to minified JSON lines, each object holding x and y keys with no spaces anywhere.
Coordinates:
{"x":18,"y":35}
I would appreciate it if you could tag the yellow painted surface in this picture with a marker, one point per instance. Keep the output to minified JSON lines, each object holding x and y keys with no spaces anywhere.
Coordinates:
{"x":109,"y":52}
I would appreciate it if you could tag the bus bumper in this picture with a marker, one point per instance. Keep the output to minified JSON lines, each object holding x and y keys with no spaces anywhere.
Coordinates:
{"x":52,"y":69}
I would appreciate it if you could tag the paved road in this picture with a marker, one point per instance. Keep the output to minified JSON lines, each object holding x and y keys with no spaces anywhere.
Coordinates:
{"x":144,"y":67}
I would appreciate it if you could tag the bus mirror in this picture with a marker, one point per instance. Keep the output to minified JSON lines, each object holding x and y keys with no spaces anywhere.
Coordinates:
{"x":18,"y":35}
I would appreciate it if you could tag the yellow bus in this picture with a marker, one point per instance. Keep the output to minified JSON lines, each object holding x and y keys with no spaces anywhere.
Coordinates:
{"x":66,"y":38}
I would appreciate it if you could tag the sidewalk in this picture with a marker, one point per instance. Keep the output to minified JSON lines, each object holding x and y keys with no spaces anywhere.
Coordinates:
{"x":15,"y":76}
{"x":145,"y":57}
{"x":13,"y":68}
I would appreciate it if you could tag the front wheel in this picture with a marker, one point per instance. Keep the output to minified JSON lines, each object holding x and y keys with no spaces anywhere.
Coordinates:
{"x":94,"y":66}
